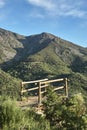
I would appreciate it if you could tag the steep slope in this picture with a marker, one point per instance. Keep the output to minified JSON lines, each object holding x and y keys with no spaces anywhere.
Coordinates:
{"x":48,"y":55}
{"x":9,"y":86}
{"x":11,"y":46}
{"x":43,"y":55}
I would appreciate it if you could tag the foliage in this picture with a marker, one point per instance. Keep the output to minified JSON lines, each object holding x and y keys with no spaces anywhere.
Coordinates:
{"x":66,"y":114}
{"x":77,"y":83}
{"x":12,"y":117}
{"x":40,"y":56}
{"x":79,"y":64}
{"x":36,"y":57}
{"x":9,"y":85}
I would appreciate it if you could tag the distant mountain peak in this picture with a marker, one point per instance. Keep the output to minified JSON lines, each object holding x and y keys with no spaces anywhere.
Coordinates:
{"x":47,"y":35}
{"x":43,"y":35}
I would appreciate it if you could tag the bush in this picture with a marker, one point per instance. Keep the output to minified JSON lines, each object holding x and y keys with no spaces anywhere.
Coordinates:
{"x":14,"y":118}
{"x":11,"y":116}
{"x":66,"y":114}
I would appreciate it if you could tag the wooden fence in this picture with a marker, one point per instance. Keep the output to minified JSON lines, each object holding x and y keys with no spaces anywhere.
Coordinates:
{"x":42,"y":85}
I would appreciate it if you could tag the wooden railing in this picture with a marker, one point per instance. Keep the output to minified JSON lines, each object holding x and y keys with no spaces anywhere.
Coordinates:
{"x":42,"y":85}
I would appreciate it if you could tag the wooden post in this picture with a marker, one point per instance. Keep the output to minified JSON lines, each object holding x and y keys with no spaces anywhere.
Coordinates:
{"x":39,"y":94}
{"x":66,"y":88}
{"x":21,"y":90}
{"x":45,"y":87}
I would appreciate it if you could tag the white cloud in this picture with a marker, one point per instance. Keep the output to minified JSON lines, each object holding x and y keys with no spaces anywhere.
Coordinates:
{"x":61,"y":7}
{"x":70,"y":8}
{"x":75,"y":13}
{"x":2,"y":3}
{"x":47,"y":4}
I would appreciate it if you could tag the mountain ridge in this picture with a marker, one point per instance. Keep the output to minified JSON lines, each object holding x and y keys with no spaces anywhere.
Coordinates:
{"x":18,"y":47}
{"x":43,"y":55}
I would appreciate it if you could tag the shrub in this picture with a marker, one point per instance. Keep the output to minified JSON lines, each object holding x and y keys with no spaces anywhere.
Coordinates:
{"x":66,"y":114}
{"x":11,"y":116}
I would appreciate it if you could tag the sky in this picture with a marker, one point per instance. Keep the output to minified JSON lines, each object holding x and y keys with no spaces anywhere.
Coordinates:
{"x":66,"y":19}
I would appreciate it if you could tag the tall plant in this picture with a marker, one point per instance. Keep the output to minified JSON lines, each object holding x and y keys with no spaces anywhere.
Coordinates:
{"x":66,"y":114}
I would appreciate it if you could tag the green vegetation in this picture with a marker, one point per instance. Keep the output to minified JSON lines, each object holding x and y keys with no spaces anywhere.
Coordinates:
{"x":40,"y":56}
{"x":60,"y":113}
{"x":14,"y":118}
{"x":66,"y":114}
{"x":9,"y":85}
{"x":36,"y":57}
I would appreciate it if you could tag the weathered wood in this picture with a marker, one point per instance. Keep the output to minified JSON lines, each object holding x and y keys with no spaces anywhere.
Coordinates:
{"x":51,"y":81}
{"x":66,"y":88}
{"x":44,"y":86}
{"x":39,"y":94}
{"x":27,"y":90}
{"x":58,"y":88}
{"x":30,"y":89}
{"x":35,"y":81}
{"x":44,"y":83}
{"x":43,"y":92}
{"x":21,"y":91}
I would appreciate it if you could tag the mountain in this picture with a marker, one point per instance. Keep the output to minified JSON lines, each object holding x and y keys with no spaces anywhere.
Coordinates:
{"x":10,"y":45}
{"x":43,"y":55}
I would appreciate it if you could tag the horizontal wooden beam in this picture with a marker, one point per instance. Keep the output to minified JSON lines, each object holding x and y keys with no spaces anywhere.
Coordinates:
{"x":51,"y":81}
{"x":43,"y":92}
{"x":27,"y":90}
{"x":35,"y":81}
{"x":61,"y":87}
{"x":44,"y":86}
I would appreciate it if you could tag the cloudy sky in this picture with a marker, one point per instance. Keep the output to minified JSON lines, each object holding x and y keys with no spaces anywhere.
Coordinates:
{"x":64,"y":18}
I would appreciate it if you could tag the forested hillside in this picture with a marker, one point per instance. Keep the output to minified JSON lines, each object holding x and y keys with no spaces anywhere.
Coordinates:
{"x":42,"y":56}
{"x":25,"y":58}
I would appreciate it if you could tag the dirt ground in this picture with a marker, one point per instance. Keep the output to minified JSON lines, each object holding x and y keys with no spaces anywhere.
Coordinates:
{"x":30,"y":101}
